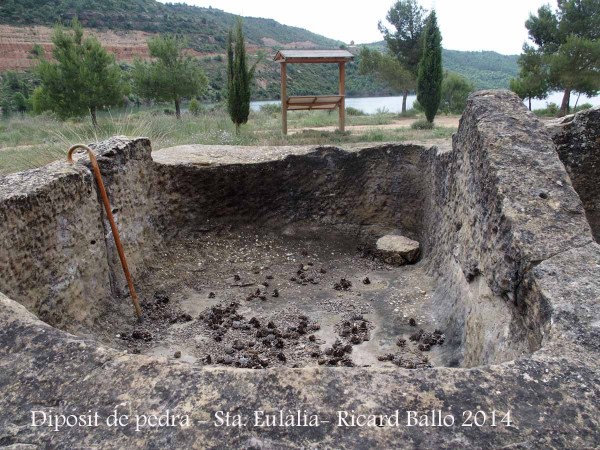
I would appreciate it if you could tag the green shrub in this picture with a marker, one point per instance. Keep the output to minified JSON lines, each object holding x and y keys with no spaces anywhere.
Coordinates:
{"x":551,"y":110}
{"x":271,"y":108}
{"x":582,"y":107}
{"x":194,"y":107}
{"x":455,"y":90}
{"x":422,"y":124}
{"x":412,"y":112}
{"x":354,"y":111}
{"x":37,"y":50}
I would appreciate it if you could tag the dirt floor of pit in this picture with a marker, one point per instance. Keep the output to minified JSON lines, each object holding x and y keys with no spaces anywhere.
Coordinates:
{"x":254,"y":298}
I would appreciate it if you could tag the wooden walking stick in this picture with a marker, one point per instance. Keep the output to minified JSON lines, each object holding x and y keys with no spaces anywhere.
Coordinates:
{"x":111,"y":220}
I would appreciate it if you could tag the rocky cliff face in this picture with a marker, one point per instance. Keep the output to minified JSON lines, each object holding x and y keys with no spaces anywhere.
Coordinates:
{"x":577,"y":139}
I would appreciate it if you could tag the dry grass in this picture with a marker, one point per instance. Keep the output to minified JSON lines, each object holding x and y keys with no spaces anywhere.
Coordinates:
{"x":32,"y":141}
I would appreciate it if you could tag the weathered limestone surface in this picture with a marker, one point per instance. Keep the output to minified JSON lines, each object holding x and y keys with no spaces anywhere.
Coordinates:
{"x":577,"y":139}
{"x":369,"y":192}
{"x":520,"y":272}
{"x":501,"y":204}
{"x":131,"y":182}
{"x":56,"y":242}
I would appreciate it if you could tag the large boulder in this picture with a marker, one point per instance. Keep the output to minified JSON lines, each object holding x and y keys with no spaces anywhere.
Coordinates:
{"x":397,"y":250}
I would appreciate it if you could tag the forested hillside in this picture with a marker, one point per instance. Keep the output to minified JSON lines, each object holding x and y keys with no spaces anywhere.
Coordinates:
{"x":487,"y":70}
{"x":124,"y":25}
{"x":206,"y":28}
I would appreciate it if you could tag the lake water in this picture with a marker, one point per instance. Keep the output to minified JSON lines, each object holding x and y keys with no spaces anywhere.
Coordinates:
{"x":371,"y":105}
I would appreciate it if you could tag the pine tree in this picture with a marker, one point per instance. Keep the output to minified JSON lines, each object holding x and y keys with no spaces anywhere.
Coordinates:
{"x":387,"y":68}
{"x":568,"y":46}
{"x":408,"y":19}
{"x":172,"y":76}
{"x":239,"y":78}
{"x":430,"y":74}
{"x":533,"y":76}
{"x":84,"y":78}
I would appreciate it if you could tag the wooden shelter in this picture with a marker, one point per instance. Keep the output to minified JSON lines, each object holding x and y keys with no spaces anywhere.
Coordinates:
{"x":313,"y":102}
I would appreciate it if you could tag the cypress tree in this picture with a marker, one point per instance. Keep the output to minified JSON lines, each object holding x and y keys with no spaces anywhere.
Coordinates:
{"x":230,"y":68}
{"x":239,"y":79}
{"x":430,"y":75}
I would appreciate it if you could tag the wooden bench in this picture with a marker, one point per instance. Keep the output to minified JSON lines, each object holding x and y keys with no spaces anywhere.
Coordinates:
{"x":313,"y":102}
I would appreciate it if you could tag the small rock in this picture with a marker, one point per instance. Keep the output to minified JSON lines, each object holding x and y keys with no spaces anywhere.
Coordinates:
{"x":356,"y":340}
{"x":161,"y":297}
{"x":177,"y":354}
{"x":416,"y":337}
{"x":142,"y":335}
{"x":244,"y":362}
{"x":343,"y":285}
{"x":211,"y":295}
{"x":366,"y":280}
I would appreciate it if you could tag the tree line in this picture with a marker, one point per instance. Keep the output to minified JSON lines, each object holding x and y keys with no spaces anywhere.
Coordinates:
{"x":84,"y":77}
{"x":413,"y":61}
{"x":564,"y":53}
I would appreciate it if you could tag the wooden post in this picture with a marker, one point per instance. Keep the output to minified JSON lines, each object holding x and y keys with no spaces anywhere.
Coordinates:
{"x":342,"y":107}
{"x":284,"y":98}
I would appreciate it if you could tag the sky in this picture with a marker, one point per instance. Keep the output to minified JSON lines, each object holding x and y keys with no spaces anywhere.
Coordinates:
{"x":497,"y":25}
